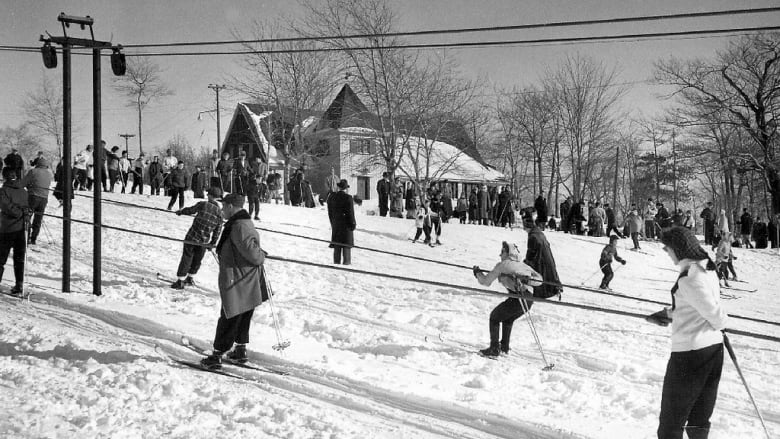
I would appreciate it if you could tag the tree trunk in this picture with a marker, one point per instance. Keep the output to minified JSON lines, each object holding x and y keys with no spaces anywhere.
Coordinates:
{"x":140,"y":142}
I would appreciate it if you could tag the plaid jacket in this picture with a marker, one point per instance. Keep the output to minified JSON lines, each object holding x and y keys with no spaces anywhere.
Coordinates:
{"x":208,"y":222}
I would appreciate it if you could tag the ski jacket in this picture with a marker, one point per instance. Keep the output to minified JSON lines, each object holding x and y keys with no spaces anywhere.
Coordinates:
{"x":224,"y":167}
{"x":112,"y":161}
{"x":242,"y":284}
{"x":138,"y":165}
{"x":509,"y":273}
{"x":207,"y":224}
{"x":212,"y":167}
{"x":341,"y":212}
{"x":634,"y":223}
{"x":723,"y":252}
{"x":610,"y":216}
{"x":38,"y":181}
{"x":706,"y":215}
{"x":178,"y":178}
{"x":697,"y":317}
{"x":609,"y":252}
{"x":14,"y":207}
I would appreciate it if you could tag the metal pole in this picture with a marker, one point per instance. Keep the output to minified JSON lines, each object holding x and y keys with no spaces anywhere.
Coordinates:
{"x":97,"y":160}
{"x":67,"y":169}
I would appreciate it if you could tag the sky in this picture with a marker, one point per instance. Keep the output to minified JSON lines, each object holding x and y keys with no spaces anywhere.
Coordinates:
{"x":138,"y":22}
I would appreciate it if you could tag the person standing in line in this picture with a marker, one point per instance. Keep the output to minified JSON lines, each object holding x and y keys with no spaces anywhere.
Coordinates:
{"x":605,"y":261}
{"x":138,"y":175}
{"x":565,"y":219}
{"x":198,"y":183}
{"x":82,"y":163}
{"x":242,"y":282}
{"x":422,"y":222}
{"x":59,"y":186}
{"x":709,"y":224}
{"x":224,"y":172}
{"x":112,"y":164}
{"x":169,"y":164}
{"x":539,"y":257}
{"x":14,"y":219}
{"x":383,"y":189}
{"x":516,"y":277}
{"x":689,"y":222}
{"x":634,"y":223}
{"x":155,"y":176}
{"x":37,"y":182}
{"x":341,"y":212}
{"x":690,"y":387}
{"x":178,"y":182}
{"x":650,"y":212}
{"x":746,"y":227}
{"x":723,"y":224}
{"x":611,"y":222}
{"x":241,"y":170}
{"x":213,"y":174}
{"x":253,"y":194}
{"x":124,"y":170}
{"x":434,"y":213}
{"x":14,"y":161}
{"x":462,"y":207}
{"x":203,"y":233}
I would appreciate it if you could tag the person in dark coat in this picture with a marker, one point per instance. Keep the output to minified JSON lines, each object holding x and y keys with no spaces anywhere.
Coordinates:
{"x":540,"y":205}
{"x":242,"y":282}
{"x":341,"y":212}
{"x":198,"y":183}
{"x":253,"y":195}
{"x":14,"y":161}
{"x":411,"y":201}
{"x":605,"y":261}
{"x":155,"y":175}
{"x":178,"y":183}
{"x":708,"y":217}
{"x":241,"y":169}
{"x":662,"y":217}
{"x":224,"y":171}
{"x":746,"y":227}
{"x":540,"y":258}
{"x":505,"y":206}
{"x":295,"y":188}
{"x":772,"y":231}
{"x":611,"y":222}
{"x":483,"y":206}
{"x":760,"y":233}
{"x":565,"y":209}
{"x":59,"y":188}
{"x":14,"y":220}
{"x":383,"y":189}
{"x":473,"y":207}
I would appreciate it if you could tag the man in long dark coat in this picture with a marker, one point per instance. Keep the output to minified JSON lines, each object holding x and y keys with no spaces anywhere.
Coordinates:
{"x":565,"y":219}
{"x":383,"y":189}
{"x":540,"y":258}
{"x":341,"y":212}
{"x":541,"y":211}
{"x":709,"y":223}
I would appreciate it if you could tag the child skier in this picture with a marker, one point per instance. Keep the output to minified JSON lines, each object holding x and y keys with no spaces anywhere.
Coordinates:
{"x":605,"y":261}
{"x":423,"y":222}
{"x":723,"y":256}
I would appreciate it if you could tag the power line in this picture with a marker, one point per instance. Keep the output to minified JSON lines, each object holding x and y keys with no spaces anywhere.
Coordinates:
{"x":477,"y":44}
{"x":553,"y":24}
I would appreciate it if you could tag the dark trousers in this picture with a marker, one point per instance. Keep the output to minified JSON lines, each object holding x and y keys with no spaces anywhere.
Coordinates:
{"x":420,"y":230}
{"x":608,"y":275}
{"x":176,"y":192}
{"x":81,"y":179}
{"x":436,"y":225}
{"x":709,"y":232}
{"x":649,"y":229}
{"x":635,"y":239}
{"x":611,"y":227}
{"x":15,"y":241}
{"x":226,"y":183}
{"x":689,"y":392}
{"x":191,"y":257}
{"x":138,"y":182}
{"x":338,"y":251}
{"x":254,"y":205}
{"x":155,"y":183}
{"x":113,"y":177}
{"x":123,"y":176}
{"x":383,"y":205}
{"x":38,"y":206}
{"x":215,"y":182}
{"x":232,"y":330}
{"x":503,"y":317}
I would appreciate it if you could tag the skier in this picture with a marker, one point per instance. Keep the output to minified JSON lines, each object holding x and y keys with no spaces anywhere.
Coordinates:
{"x":155,"y":176}
{"x":198,"y":183}
{"x":14,"y":218}
{"x":138,"y":175}
{"x":422,"y":222}
{"x":693,"y":372}
{"x":634,"y":223}
{"x":242,"y":283}
{"x":611,"y":223}
{"x":605,"y":261}
{"x":723,"y":257}
{"x":516,"y":276}
{"x":177,"y":182}
{"x":37,"y":182}
{"x":124,"y":169}
{"x":169,"y":164}
{"x":540,"y":258}
{"x":203,"y":232}
{"x":746,"y":227}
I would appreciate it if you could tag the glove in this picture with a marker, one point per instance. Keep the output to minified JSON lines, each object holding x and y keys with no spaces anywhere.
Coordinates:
{"x":476,"y":270}
{"x":661,"y":318}
{"x":623,"y":262}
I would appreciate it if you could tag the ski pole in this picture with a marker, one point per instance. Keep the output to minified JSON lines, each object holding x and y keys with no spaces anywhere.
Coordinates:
{"x":744,"y":382}
{"x":281,"y":344}
{"x":527,"y":311}
{"x":24,"y":269}
{"x":594,"y":273}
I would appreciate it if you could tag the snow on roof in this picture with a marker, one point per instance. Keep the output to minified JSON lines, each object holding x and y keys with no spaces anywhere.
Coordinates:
{"x":445,"y":162}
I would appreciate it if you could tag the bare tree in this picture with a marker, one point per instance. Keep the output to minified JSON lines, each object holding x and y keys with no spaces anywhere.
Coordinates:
{"x":380,"y":75}
{"x":142,"y":84}
{"x":291,"y":83}
{"x":740,"y":86}
{"x":587,"y":95}
{"x":43,"y":110}
{"x":20,"y":138}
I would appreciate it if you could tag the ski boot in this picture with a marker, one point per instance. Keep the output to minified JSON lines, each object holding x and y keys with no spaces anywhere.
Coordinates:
{"x":189,"y":281}
{"x":178,"y":285}
{"x":238,"y":354}
{"x":17,"y":290}
{"x":492,"y":351}
{"x":213,"y":361}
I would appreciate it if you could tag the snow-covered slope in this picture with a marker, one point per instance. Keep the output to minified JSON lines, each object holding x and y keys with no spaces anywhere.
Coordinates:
{"x":369,"y":356}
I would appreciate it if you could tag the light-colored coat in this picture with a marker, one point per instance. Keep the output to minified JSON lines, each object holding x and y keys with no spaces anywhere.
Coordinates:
{"x":240,"y":269}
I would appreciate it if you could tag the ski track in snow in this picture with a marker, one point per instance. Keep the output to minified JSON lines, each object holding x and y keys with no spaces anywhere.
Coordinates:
{"x":368,"y":358}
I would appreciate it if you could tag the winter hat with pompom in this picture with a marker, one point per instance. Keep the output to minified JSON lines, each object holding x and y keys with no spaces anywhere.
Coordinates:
{"x":684,"y":243}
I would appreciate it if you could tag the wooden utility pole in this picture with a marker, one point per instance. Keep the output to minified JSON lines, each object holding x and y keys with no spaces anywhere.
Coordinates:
{"x":615,"y":188}
{"x":127,"y":136}
{"x":217,"y":88}
{"x":674,"y":171}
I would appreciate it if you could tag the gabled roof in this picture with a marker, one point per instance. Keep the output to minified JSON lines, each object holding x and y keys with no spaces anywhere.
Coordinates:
{"x":346,"y":111}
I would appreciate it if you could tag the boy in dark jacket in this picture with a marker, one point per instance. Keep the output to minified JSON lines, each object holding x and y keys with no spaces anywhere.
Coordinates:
{"x":605,"y":261}
{"x":198,"y":183}
{"x":178,"y":182}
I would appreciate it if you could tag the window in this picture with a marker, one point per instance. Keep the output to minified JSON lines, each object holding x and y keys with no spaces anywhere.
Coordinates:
{"x":360,"y":146}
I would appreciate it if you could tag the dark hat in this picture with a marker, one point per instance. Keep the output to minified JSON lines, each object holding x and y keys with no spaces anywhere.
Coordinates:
{"x":234,"y":199}
{"x":343,"y":184}
{"x":684,"y":243}
{"x":613,"y":238}
{"x":215,"y":192}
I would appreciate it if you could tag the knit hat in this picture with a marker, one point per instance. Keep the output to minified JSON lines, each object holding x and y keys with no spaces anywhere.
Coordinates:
{"x":684,"y":243}
{"x":215,"y":192}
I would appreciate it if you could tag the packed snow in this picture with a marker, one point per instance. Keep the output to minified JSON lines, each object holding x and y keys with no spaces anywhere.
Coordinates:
{"x":369,"y":356}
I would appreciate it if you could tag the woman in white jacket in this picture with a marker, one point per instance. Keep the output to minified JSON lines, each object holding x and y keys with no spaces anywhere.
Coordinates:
{"x":723,"y":223}
{"x":690,"y":386}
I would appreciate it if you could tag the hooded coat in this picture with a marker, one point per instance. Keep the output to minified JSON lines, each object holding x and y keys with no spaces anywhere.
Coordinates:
{"x":242,"y":284}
